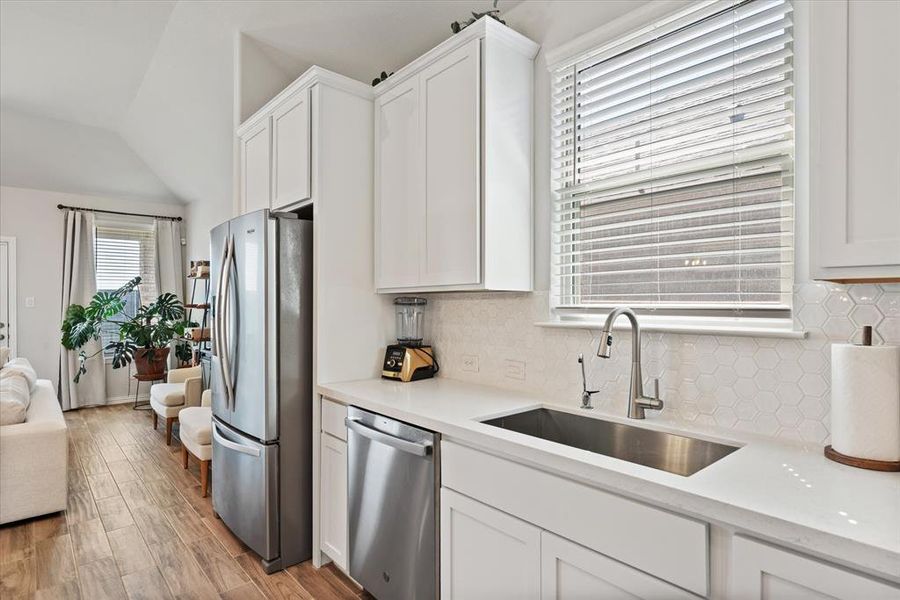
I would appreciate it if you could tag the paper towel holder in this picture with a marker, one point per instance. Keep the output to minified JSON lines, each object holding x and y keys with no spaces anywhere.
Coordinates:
{"x":863,"y":463}
{"x":892,"y":466}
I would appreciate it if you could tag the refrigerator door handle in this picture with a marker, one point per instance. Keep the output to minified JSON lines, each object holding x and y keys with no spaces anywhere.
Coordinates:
{"x":218,"y":333}
{"x":223,"y":326}
{"x":388,"y":440}
{"x":250,"y":450}
{"x":226,"y":305}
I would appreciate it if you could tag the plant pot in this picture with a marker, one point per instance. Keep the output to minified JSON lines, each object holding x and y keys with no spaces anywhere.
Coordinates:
{"x":147,"y":365}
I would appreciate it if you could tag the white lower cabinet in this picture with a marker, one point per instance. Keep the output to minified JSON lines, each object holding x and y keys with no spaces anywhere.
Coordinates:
{"x":669,"y":547}
{"x":333,"y":499}
{"x":485,"y":553}
{"x":764,"y":572}
{"x":488,"y":554}
{"x":570,"y":571}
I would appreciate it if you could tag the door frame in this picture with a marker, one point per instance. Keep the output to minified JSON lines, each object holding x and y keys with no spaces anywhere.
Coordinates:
{"x":13,"y":296}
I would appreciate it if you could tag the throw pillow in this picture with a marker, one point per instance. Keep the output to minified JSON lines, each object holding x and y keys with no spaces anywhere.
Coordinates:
{"x":20,"y":367}
{"x":15,"y":397}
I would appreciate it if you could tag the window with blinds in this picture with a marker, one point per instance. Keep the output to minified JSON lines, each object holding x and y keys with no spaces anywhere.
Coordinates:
{"x":122,"y":253}
{"x":673,"y":164}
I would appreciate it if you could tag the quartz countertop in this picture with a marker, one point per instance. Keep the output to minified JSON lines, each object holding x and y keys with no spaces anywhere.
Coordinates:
{"x":786,"y":493}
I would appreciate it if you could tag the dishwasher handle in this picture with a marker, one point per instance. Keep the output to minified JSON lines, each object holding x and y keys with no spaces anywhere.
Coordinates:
{"x":388,"y":440}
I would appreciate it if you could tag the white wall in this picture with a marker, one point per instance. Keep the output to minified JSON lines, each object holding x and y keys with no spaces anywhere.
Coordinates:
{"x":32,"y":218}
{"x":200,"y":218}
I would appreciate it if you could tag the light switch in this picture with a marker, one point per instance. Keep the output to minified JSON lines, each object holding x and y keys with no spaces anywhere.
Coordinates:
{"x":29,"y":301}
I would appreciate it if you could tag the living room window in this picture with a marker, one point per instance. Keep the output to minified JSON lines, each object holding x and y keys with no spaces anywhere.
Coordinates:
{"x":121,"y":253}
{"x":672,"y":156}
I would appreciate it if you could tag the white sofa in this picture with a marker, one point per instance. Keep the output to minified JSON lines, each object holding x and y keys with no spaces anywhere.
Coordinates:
{"x":34,"y":459}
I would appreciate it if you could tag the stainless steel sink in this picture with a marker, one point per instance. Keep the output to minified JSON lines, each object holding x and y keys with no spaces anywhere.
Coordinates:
{"x":656,"y":449}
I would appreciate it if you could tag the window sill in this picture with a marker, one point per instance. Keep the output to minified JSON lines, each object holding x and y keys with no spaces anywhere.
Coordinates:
{"x":768,"y":328}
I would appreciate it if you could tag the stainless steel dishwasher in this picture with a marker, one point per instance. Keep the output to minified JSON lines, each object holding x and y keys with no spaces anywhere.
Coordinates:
{"x":393,"y":487}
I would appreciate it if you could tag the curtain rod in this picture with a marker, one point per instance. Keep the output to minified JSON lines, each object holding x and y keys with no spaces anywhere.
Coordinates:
{"x":115,"y":212}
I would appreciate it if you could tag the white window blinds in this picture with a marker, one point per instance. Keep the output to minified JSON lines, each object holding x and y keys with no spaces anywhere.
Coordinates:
{"x":122,"y":253}
{"x":673,"y":164}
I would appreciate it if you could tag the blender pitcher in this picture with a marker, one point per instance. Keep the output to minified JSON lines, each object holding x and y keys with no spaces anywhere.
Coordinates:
{"x":410,"y":316}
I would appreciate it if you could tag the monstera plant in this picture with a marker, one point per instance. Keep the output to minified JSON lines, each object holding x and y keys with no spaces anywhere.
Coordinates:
{"x":143,"y":339}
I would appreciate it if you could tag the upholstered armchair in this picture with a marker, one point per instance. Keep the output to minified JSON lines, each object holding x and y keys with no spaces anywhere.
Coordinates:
{"x":182,"y":389}
{"x":196,"y":437}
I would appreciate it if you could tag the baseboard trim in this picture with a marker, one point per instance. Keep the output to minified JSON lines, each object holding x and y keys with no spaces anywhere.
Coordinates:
{"x":127,"y":399}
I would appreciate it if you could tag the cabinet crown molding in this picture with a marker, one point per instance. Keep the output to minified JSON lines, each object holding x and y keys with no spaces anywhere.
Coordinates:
{"x":482,"y":28}
{"x":310,"y":77}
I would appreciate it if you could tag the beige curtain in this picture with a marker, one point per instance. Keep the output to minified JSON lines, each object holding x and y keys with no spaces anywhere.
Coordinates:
{"x":78,"y":287}
{"x":169,"y":264}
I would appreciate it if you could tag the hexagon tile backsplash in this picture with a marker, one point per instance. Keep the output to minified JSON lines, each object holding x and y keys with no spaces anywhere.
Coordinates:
{"x":774,"y":387}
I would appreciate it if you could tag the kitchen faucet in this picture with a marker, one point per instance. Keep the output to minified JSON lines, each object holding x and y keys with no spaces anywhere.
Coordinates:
{"x":637,"y":401}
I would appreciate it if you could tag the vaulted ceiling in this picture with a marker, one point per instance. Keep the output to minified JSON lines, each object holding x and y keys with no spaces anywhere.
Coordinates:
{"x":135,"y":98}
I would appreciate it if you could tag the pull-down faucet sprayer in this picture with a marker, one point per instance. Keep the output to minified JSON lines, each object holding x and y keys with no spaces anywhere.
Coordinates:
{"x":637,"y":401}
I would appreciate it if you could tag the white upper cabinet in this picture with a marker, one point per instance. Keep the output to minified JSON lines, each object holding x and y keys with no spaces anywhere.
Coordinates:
{"x":282,"y":166}
{"x":450,"y":137}
{"x":256,"y":147}
{"x":453,"y":163}
{"x":290,"y":151}
{"x":855,"y":140}
{"x":397,"y":214}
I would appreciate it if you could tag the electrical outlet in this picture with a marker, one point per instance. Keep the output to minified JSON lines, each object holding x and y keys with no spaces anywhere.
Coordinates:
{"x":29,"y":302}
{"x":470,"y":363}
{"x":514,"y":369}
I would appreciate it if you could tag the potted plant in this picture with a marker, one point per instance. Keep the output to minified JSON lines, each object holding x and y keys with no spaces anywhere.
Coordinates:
{"x":143,"y":338}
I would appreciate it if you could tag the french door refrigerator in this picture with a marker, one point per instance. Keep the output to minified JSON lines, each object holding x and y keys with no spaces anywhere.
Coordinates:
{"x":261,"y":282}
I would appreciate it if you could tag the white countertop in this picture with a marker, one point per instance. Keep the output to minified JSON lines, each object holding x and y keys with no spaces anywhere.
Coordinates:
{"x":788,"y":494}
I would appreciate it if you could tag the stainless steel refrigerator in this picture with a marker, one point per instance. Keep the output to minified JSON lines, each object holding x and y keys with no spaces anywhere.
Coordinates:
{"x":261,"y":281}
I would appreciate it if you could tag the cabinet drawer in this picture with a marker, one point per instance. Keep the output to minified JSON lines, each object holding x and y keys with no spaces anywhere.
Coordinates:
{"x":668,"y":546}
{"x":333,"y":415}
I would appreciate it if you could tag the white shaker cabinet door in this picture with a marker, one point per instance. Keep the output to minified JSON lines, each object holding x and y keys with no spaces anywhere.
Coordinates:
{"x":450,"y":96}
{"x":486,"y":554}
{"x":333,"y":500}
{"x":398,"y":189}
{"x":855,"y":140}
{"x":570,"y":571}
{"x":291,"y":151}
{"x":764,"y":572}
{"x":256,"y":147}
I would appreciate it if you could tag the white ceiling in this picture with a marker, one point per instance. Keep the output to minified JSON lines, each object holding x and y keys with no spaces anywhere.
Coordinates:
{"x":158,"y":75}
{"x":63,"y":156}
{"x":77,"y":61}
{"x":359,"y":38}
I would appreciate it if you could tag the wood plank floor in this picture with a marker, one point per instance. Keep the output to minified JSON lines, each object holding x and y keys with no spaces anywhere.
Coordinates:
{"x":136,"y":527}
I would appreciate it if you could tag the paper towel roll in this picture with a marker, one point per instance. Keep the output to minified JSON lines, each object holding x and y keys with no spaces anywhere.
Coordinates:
{"x":865,"y":401}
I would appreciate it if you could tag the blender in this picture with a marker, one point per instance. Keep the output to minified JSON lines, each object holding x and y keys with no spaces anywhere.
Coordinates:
{"x":409,"y":359}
